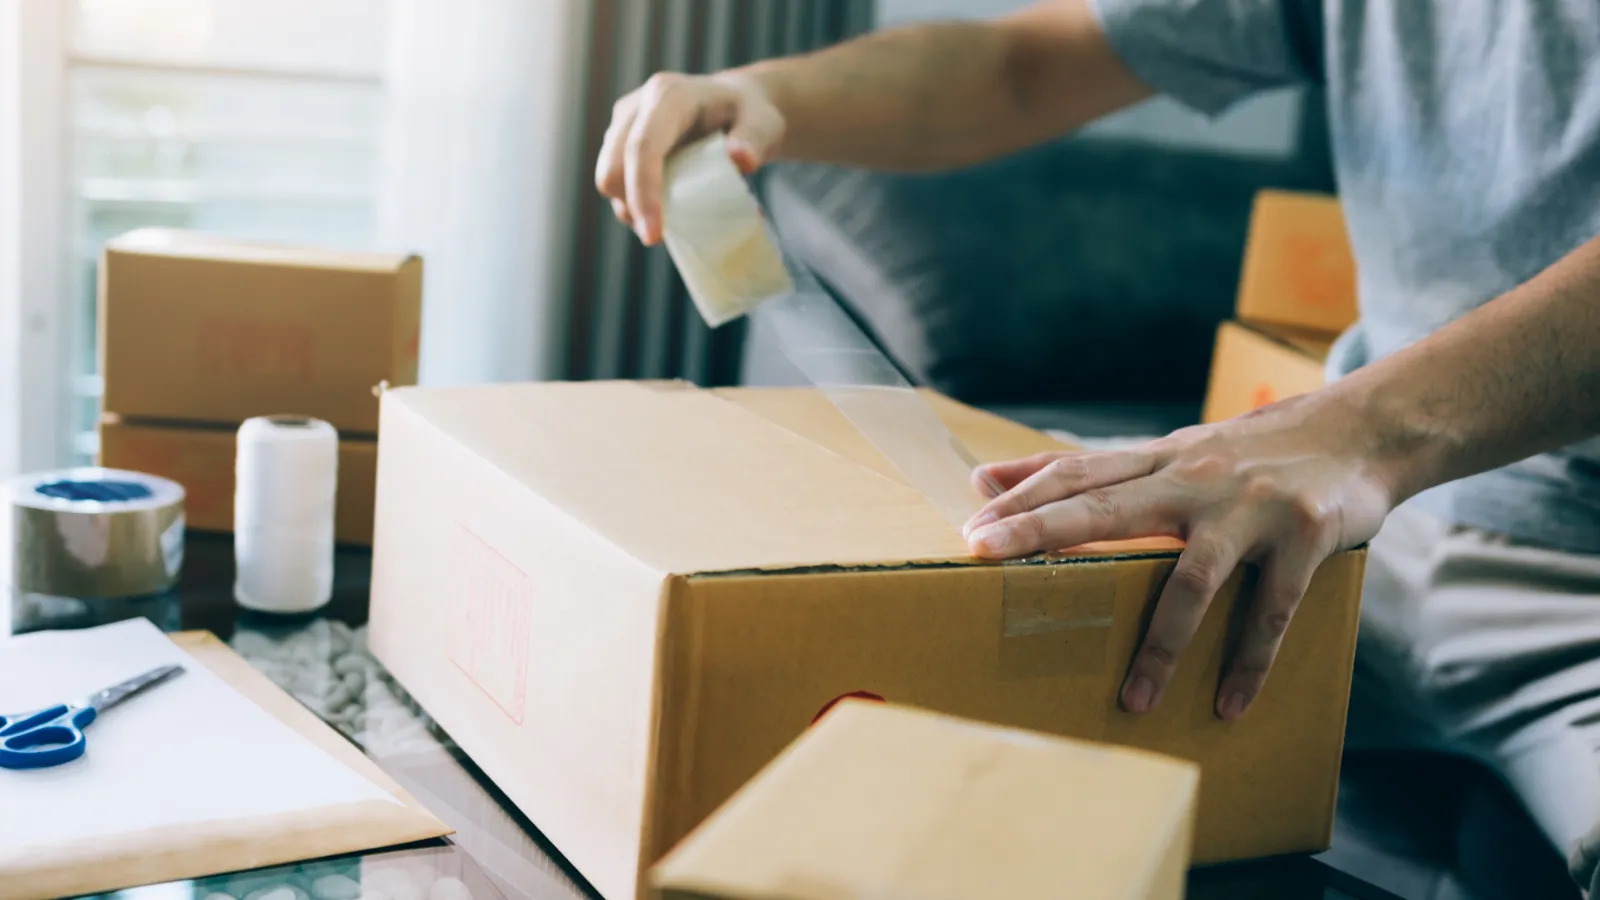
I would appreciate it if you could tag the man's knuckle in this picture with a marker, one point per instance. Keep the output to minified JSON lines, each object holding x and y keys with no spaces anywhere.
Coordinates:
{"x":1103,"y":505}
{"x":1194,"y":579}
{"x":1205,"y":467}
{"x":1251,"y":671}
{"x":1029,"y":526}
{"x":661,"y":82}
{"x":1024,"y":496}
{"x":1311,"y":515}
{"x":1067,"y":469}
{"x":1274,"y":623}
{"x":1261,"y":489}
{"x":1161,"y":655}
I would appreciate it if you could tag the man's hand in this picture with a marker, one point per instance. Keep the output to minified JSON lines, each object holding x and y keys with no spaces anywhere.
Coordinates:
{"x":1289,"y":485}
{"x":1283,"y":488}
{"x":927,"y":97}
{"x":670,"y":110}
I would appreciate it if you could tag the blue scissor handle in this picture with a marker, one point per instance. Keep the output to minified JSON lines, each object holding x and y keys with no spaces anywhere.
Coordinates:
{"x":49,"y":737}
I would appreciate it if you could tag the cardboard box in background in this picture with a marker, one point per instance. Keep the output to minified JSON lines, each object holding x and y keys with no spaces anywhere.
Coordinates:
{"x":1298,"y":271}
{"x":1255,"y":367}
{"x":202,"y":460}
{"x":886,"y":801}
{"x":623,"y":600}
{"x":201,"y":328}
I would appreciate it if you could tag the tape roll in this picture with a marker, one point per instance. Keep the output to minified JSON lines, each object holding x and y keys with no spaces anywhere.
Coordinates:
{"x":716,"y":234}
{"x":95,"y":534}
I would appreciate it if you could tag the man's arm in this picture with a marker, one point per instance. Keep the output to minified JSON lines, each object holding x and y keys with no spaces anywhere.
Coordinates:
{"x":1287,"y":486}
{"x":1518,"y":376}
{"x":925,"y":97}
{"x":949,"y":94}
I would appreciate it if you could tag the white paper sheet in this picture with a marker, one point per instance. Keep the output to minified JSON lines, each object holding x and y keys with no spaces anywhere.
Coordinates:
{"x":189,"y":750}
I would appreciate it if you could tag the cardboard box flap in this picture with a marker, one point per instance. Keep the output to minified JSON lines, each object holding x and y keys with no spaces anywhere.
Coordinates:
{"x":1311,"y":343}
{"x":883,"y":801}
{"x":808,"y":413}
{"x":718,"y":489}
{"x":989,"y":437}
{"x":196,"y":245}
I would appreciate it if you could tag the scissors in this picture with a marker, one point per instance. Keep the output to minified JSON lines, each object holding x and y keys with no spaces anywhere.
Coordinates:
{"x":54,"y":735}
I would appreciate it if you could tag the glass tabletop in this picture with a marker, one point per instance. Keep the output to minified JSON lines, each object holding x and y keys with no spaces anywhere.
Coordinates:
{"x":495,"y":852}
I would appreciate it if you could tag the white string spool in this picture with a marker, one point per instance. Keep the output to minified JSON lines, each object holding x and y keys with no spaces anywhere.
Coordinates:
{"x":287,"y":477}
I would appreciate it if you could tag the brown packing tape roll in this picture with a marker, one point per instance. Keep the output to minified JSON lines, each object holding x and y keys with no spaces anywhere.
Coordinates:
{"x":95,"y":534}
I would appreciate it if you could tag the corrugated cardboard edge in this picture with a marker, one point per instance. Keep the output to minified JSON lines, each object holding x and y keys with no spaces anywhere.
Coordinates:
{"x":674,"y":713}
{"x":188,"y":245}
{"x":406,"y":341}
{"x":1356,"y":578}
{"x":197,"y":850}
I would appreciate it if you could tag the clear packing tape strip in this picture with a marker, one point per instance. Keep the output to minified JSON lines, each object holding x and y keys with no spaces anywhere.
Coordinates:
{"x":731,"y":264}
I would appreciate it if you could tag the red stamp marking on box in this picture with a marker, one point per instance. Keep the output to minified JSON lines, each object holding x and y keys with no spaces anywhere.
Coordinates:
{"x":1263,"y":395}
{"x":257,"y":348}
{"x":487,"y":639}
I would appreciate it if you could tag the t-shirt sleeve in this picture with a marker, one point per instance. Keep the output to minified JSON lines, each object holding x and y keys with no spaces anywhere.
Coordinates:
{"x":1209,"y":54}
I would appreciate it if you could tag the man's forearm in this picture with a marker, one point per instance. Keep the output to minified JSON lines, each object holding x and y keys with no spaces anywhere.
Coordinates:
{"x":950,"y":94}
{"x":1518,"y":376}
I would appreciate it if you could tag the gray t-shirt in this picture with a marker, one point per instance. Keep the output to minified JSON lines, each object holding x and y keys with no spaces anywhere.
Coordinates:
{"x":1466,"y":139}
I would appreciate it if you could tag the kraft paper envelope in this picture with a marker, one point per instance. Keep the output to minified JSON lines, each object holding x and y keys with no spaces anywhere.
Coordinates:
{"x":197,"y":849}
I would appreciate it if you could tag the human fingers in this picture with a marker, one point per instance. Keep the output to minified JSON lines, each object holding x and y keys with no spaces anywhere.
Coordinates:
{"x":666,"y":111}
{"x":1285,"y":575}
{"x":1210,"y":557}
{"x":609,"y":167}
{"x":620,"y":210}
{"x":1010,"y":473}
{"x":1133,"y":509}
{"x":1060,"y":476}
{"x":754,"y":137}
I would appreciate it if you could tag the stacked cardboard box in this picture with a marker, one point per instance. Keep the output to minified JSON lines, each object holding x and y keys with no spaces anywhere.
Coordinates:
{"x":199,"y":333}
{"x":1297,"y":292}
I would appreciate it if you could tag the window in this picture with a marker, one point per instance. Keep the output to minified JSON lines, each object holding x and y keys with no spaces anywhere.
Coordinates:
{"x":252,"y":118}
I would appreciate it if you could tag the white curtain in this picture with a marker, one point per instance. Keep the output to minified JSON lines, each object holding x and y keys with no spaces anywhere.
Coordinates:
{"x":482,"y":174}
{"x":10,"y":237}
{"x":33,"y":260}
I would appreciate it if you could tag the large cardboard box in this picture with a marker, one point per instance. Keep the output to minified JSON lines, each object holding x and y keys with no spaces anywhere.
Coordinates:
{"x":888,"y":801}
{"x":1299,"y":271}
{"x":1253,"y":367}
{"x":202,"y":460}
{"x":201,"y":328}
{"x":623,"y":599}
